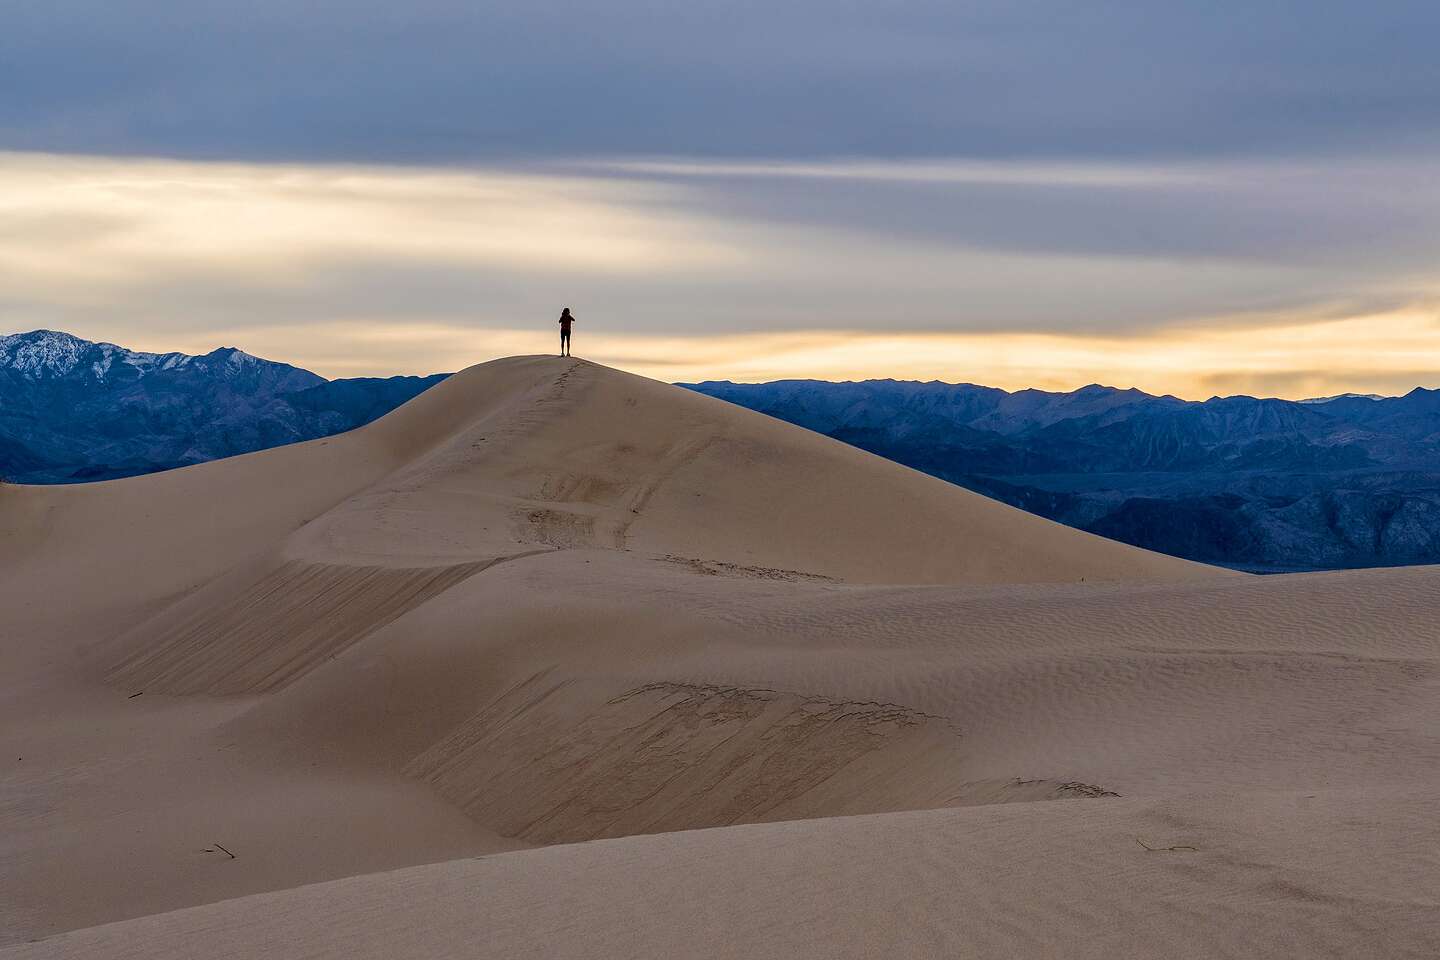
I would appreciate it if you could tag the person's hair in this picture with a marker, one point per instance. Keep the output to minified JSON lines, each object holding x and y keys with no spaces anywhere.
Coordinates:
{"x":566,"y":310}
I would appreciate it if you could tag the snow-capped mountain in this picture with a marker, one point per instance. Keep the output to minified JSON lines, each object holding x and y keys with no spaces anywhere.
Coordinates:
{"x":54,"y":355}
{"x":72,"y":409}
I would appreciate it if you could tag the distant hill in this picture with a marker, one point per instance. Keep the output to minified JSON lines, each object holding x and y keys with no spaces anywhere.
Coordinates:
{"x":74,"y":410}
{"x":1259,"y":484}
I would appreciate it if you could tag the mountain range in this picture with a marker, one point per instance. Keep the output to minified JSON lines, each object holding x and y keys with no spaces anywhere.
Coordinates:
{"x":73,"y":410}
{"x":1259,"y":484}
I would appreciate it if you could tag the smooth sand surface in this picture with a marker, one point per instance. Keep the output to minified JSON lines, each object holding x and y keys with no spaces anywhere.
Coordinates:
{"x":558,"y":661}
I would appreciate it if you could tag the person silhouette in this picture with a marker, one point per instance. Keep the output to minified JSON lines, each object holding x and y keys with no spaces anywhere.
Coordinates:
{"x":565,"y":321}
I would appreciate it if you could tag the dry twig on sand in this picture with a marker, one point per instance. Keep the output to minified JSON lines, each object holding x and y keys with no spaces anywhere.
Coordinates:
{"x":1150,"y":849}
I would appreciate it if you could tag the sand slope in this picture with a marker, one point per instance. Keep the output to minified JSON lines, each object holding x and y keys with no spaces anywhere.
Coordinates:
{"x":1333,"y":876}
{"x":551,"y":603}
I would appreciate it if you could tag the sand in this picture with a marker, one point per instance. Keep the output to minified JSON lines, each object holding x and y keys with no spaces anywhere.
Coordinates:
{"x":558,"y":661}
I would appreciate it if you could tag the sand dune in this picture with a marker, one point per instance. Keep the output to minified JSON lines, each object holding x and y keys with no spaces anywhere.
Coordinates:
{"x":551,"y":603}
{"x":1339,"y":875}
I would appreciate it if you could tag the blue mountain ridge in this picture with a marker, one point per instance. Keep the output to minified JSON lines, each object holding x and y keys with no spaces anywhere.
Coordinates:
{"x":72,"y":410}
{"x":1259,"y":484}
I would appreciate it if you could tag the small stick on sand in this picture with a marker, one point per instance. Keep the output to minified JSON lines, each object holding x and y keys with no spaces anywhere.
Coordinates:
{"x":1150,"y":849}
{"x":224,"y":851}
{"x":134,"y":695}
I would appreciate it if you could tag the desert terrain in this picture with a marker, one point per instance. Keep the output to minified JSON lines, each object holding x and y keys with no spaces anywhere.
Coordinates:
{"x":557,"y":661}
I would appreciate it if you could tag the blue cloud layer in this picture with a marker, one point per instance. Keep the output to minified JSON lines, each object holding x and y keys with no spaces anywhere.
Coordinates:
{"x":444,"y":81}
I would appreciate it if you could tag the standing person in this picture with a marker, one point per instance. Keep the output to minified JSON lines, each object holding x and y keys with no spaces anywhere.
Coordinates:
{"x":565,"y":321}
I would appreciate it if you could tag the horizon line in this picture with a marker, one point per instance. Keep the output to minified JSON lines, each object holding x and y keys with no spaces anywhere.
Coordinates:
{"x":839,"y":380}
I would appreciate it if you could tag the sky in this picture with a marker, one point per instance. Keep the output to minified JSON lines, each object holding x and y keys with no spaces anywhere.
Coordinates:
{"x":1190,"y":198}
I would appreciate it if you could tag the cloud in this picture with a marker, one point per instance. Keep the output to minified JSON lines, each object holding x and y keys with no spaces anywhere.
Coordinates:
{"x":119,"y":220}
{"x":691,"y":172}
{"x":439,"y":81}
{"x":689,"y":262}
{"x":1293,"y":211}
{"x":783,"y":248}
{"x":1009,"y":173}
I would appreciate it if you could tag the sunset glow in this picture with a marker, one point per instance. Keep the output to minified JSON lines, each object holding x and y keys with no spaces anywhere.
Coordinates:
{"x":380,"y":270}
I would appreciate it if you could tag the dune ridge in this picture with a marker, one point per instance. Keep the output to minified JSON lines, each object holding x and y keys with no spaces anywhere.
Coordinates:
{"x":551,"y":603}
